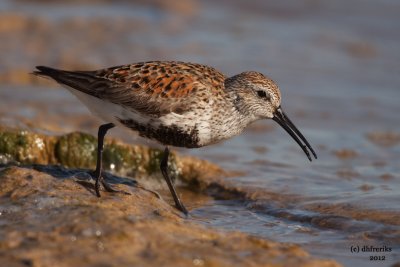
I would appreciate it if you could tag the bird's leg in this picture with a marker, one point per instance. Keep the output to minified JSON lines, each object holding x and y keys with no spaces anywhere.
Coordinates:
{"x":98,"y":172}
{"x":164,"y":171}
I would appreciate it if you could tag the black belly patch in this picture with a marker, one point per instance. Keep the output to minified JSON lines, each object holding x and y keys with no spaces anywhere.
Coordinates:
{"x":168,"y":135}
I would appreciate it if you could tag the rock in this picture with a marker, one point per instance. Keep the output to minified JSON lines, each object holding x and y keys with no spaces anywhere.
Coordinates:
{"x":78,"y":150}
{"x":51,"y":220}
{"x":50,"y":215}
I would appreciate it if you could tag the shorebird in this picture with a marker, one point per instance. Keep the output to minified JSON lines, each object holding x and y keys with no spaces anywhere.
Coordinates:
{"x":175,"y":103}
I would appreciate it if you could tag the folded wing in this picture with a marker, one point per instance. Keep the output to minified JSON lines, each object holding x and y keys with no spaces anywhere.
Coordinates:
{"x":153,"y":88}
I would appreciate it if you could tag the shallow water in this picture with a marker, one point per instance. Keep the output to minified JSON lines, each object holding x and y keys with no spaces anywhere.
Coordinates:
{"x":337,"y":66}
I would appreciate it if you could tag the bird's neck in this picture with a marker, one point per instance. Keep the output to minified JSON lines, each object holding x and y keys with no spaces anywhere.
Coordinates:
{"x":231,"y":120}
{"x":242,"y":114}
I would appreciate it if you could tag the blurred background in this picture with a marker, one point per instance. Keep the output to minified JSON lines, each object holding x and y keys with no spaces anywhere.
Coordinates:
{"x":337,"y":64}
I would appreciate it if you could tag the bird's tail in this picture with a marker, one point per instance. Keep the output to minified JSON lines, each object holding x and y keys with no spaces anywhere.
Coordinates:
{"x":84,"y":81}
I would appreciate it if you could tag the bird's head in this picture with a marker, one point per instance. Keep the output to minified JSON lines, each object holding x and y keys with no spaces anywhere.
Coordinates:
{"x":258,"y":96}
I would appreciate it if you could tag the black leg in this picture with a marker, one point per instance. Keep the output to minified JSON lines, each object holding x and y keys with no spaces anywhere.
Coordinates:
{"x":98,"y":172}
{"x":164,"y":171}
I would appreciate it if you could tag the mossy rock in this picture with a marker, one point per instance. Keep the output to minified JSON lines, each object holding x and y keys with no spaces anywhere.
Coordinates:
{"x":77,"y":150}
{"x":120,"y":158}
{"x":21,"y":146}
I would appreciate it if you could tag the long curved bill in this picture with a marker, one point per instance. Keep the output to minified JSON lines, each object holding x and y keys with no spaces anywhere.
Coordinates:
{"x":283,"y":120}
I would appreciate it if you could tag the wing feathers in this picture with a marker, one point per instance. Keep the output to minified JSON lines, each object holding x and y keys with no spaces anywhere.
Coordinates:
{"x":154,"y":88}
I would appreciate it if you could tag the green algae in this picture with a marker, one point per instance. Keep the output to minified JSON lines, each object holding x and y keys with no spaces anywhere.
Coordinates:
{"x":23,"y":147}
{"x":76,"y":150}
{"x":120,"y":158}
{"x":153,"y":164}
{"x":79,"y":150}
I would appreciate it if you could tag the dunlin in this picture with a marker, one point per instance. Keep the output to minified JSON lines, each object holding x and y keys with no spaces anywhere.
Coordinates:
{"x":177,"y":104}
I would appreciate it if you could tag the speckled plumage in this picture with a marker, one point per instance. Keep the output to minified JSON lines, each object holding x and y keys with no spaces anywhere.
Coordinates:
{"x":157,"y":98}
{"x":175,"y":103}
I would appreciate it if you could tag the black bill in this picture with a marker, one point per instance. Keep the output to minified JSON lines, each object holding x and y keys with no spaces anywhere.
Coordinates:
{"x":283,"y":120}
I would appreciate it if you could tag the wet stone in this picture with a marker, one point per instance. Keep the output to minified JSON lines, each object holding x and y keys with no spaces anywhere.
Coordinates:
{"x":50,"y":215}
{"x":61,"y":222}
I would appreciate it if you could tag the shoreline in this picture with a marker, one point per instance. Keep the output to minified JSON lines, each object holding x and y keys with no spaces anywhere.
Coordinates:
{"x":51,"y":217}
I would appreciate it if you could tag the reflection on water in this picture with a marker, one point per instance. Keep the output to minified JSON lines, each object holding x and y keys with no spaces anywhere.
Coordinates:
{"x":336,"y":63}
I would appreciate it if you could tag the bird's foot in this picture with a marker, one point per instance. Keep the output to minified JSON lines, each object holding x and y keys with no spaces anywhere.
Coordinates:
{"x":110,"y":189}
{"x":182,"y":208}
{"x":107,"y":187}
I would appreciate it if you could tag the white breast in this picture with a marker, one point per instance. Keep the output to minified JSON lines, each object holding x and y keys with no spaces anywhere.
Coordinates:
{"x":191,"y":120}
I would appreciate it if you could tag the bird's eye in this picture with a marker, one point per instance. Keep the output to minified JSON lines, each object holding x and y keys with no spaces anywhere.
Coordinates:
{"x":263,"y":94}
